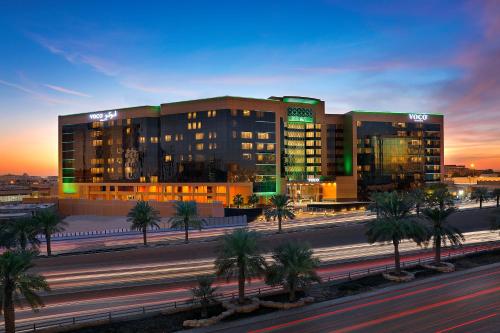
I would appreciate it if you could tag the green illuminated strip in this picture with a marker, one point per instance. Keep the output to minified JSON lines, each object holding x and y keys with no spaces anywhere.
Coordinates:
{"x":297,"y":119}
{"x":69,"y":188}
{"x":300,"y":100}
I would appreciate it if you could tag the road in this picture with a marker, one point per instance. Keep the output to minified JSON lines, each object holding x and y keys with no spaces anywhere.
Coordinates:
{"x":90,"y":283}
{"x":467,"y":301}
{"x":85,"y":243}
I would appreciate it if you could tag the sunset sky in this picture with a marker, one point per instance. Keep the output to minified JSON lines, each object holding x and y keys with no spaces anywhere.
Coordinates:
{"x":404,"y":56}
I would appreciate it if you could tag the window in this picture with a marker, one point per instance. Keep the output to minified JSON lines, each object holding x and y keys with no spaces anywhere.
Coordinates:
{"x":189,"y":126}
{"x":168,"y":158}
{"x":212,"y":146}
{"x":246,"y":156}
{"x":212,"y":113}
{"x":260,"y":146}
{"x":154,"y":179}
{"x":199,"y":136}
{"x":199,"y":146}
{"x":212,"y":135}
{"x":128,"y":130}
{"x":129,"y":121}
{"x":110,"y":142}
{"x":142,"y":179}
{"x":234,"y":135}
{"x":194,"y":115}
{"x":260,"y":157}
{"x":246,"y":135}
{"x":96,"y":143}
{"x":142,"y":139}
{"x":154,"y":139}
{"x":262,"y":136}
{"x":168,"y":138}
{"x":246,"y":113}
{"x":199,"y":125}
{"x":111,"y":160}
{"x":234,"y":113}
{"x":270,"y":146}
{"x":246,"y":145}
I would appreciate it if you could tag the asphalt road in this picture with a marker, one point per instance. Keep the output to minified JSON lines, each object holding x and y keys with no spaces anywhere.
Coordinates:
{"x":69,"y":244}
{"x":466,"y":301}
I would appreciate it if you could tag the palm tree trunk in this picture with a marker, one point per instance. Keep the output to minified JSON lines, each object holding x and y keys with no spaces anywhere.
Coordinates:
{"x":23,"y":242}
{"x":204,"y":311}
{"x":418,"y":210}
{"x":397,"y":259}
{"x":186,"y":232}
{"x":9,"y":314}
{"x":241,"y":285}
{"x":498,"y":201}
{"x":481,"y":203}
{"x":279,"y":223}
{"x":144,"y":239}
{"x":437,"y":245}
{"x":291,"y":295}
{"x":49,"y":248}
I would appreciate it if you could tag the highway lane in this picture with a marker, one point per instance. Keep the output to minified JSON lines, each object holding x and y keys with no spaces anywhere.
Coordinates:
{"x":466,"y":301}
{"x":110,"y":295}
{"x":307,"y":220}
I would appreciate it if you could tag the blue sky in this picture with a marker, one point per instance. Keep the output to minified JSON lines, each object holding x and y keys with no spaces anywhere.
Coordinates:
{"x":78,"y":56}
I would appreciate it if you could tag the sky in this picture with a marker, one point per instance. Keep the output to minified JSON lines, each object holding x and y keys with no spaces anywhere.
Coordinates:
{"x":64,"y":57}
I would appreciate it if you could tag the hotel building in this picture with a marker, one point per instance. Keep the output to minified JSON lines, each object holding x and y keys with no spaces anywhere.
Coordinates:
{"x":211,"y":149}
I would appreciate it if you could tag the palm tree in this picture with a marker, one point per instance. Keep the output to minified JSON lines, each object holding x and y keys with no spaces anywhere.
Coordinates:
{"x":375,"y":198}
{"x":238,"y":200}
{"x":186,"y":216}
{"x":480,"y":194}
{"x":496,"y":194}
{"x":15,"y":281}
{"x":143,"y":216}
{"x":205,"y":293}
{"x":418,"y":196}
{"x":394,"y":224}
{"x":440,"y":206}
{"x":280,"y":209}
{"x":19,"y":233}
{"x":240,"y":257}
{"x":294,"y":268}
{"x":253,"y":200}
{"x":49,"y":223}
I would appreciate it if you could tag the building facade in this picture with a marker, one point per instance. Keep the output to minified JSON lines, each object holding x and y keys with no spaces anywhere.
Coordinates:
{"x":211,"y":149}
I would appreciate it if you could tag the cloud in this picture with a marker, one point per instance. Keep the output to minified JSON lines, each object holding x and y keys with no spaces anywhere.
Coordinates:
{"x":243,"y":79}
{"x":79,"y":52}
{"x":33,"y":93}
{"x":66,"y":91}
{"x":155,"y":89}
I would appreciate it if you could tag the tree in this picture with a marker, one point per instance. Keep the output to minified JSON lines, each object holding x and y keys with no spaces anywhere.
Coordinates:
{"x":205,"y":293}
{"x":186,"y":216}
{"x":480,"y":194}
{"x":143,"y":216}
{"x":294,"y":267}
{"x":496,"y":194}
{"x":375,"y":198}
{"x":49,"y":223}
{"x":253,"y":200}
{"x":239,"y":256}
{"x":19,"y":233}
{"x":281,"y":208}
{"x":418,"y":196}
{"x":439,"y":196}
{"x":394,"y":224}
{"x":440,"y":207}
{"x":15,"y":281}
{"x":238,"y":200}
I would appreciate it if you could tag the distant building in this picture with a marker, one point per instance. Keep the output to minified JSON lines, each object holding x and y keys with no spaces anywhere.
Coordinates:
{"x":210,"y":149}
{"x":16,"y":188}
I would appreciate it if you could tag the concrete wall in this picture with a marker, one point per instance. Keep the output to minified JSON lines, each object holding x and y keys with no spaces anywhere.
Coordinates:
{"x":121,"y":208}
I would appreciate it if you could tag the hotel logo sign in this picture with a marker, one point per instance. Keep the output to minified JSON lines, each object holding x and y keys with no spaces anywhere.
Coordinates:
{"x":418,"y":117}
{"x":103,"y":116}
{"x":300,"y":115}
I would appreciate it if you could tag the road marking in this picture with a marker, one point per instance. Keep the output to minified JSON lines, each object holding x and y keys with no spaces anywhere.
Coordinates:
{"x":467,"y":323}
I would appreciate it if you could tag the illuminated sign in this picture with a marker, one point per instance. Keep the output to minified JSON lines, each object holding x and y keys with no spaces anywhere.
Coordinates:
{"x":103,"y":116}
{"x":418,"y":117}
{"x":300,"y":115}
{"x":313,"y":180}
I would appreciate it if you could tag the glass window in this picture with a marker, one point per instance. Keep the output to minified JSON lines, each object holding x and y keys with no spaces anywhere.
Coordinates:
{"x":262,"y":136}
{"x":154,"y":179}
{"x":199,"y":136}
{"x":260,"y":146}
{"x":246,"y":145}
{"x":246,"y":113}
{"x":270,"y":146}
{"x":142,"y":139}
{"x":168,"y":138}
{"x":168,"y":158}
{"x":246,"y":135}
{"x":199,"y":146}
{"x":154,"y":139}
{"x":234,"y":113}
{"x":247,"y":156}
{"x":199,"y":125}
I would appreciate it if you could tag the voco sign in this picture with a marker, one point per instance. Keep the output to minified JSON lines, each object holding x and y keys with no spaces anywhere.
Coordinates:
{"x":418,"y":117}
{"x":103,"y":116}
